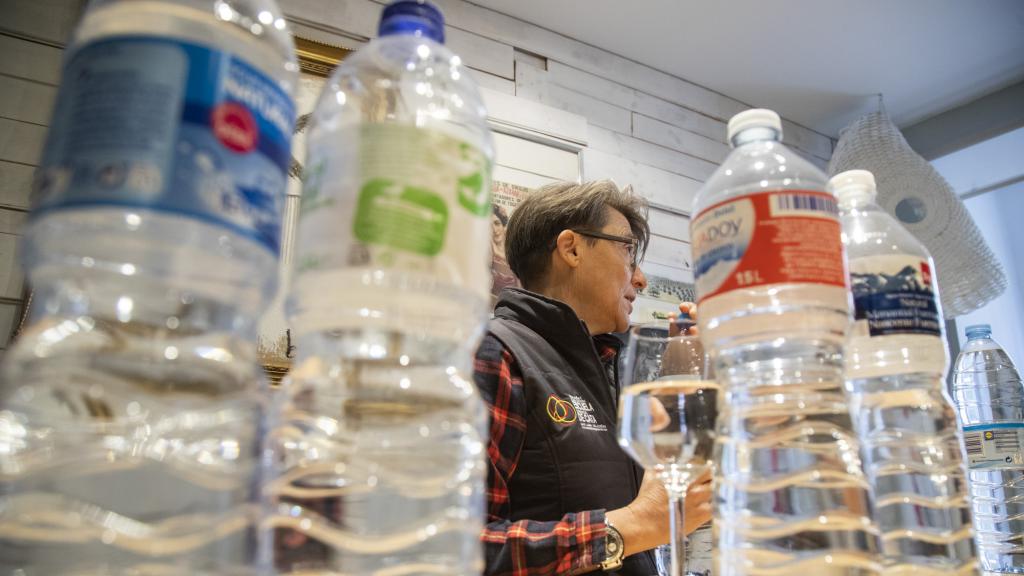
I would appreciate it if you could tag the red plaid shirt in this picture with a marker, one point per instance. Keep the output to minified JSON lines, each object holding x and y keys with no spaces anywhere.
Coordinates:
{"x":572,"y":545}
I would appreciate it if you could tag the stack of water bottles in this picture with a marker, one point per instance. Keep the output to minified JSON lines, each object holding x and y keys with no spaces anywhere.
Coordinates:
{"x":136,"y":436}
{"x":838,"y":451}
{"x":132,"y":410}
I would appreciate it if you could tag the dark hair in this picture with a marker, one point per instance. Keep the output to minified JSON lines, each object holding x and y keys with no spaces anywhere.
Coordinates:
{"x":538,"y":220}
{"x":500,"y":214}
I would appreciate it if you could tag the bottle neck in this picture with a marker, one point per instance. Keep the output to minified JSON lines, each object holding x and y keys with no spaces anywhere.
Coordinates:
{"x":856,"y":201}
{"x":755,"y":134}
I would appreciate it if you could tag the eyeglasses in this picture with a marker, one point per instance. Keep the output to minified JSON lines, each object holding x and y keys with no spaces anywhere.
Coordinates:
{"x":632,"y":245}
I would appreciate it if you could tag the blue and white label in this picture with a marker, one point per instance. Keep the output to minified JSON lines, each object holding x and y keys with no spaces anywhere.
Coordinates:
{"x":171,"y":126}
{"x":994,"y":445}
{"x":894,"y":294}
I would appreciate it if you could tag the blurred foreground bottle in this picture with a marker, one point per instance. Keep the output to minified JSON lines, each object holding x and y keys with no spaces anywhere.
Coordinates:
{"x":378,"y":440}
{"x":131,"y":406}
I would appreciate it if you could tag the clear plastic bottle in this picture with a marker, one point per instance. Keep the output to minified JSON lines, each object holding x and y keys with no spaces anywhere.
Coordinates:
{"x":131,"y":411}
{"x":378,"y":447}
{"x":989,"y":397}
{"x":896,"y":362}
{"x":774,"y":312}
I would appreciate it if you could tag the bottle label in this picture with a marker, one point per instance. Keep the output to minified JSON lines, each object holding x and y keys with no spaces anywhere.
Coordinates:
{"x":992,"y":445}
{"x":171,"y":126}
{"x":894,"y":294}
{"x":394,"y":196}
{"x":775,"y":237}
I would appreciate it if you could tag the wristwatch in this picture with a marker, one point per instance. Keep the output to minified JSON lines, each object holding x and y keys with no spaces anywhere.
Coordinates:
{"x":613,"y":547}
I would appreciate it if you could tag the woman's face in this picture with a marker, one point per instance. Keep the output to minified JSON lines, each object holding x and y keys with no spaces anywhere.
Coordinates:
{"x":497,"y":236}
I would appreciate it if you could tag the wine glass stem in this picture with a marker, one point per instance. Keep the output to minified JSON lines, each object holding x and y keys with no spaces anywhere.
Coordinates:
{"x":677,"y":518}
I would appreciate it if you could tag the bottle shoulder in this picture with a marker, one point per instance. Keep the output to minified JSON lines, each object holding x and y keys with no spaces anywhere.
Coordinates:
{"x":239,"y":31}
{"x":767,"y":165}
{"x":871,"y":231}
{"x":405,"y":80}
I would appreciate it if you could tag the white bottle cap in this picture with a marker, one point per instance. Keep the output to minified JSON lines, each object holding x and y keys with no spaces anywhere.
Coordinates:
{"x":755,"y":117}
{"x":853,"y":185}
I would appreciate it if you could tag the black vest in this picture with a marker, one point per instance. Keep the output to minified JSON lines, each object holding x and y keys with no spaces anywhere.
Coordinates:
{"x":571,"y":460}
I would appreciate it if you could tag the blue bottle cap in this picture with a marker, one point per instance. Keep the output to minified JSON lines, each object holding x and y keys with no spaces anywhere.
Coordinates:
{"x":978,"y":331}
{"x":684,"y":321}
{"x":413,"y":17}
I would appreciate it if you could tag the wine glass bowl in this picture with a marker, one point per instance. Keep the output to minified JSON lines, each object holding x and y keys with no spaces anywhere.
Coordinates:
{"x":667,"y":415}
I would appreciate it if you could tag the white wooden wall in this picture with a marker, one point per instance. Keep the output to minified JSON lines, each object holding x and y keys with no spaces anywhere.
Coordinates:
{"x":659,"y":133}
{"x":32,"y":33}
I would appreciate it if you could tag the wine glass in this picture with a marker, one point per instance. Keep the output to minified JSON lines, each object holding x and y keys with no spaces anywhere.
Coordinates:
{"x":667,"y":416}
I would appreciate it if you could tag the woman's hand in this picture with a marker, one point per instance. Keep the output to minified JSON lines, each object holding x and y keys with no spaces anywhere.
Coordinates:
{"x":687,"y":308}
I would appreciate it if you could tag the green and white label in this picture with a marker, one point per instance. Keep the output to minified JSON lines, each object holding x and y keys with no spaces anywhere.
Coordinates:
{"x":396,"y":196}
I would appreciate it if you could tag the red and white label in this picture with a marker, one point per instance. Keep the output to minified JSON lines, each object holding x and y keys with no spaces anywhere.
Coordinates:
{"x":235,"y":127}
{"x":777,"y":237}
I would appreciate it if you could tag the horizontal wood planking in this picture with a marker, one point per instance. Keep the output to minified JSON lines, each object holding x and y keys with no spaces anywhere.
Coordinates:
{"x":21,"y":142}
{"x":536,"y":157}
{"x":531,"y":83}
{"x":635,"y":86}
{"x":29,"y":60}
{"x":552,"y":45}
{"x":676,"y":115}
{"x":668,"y":224}
{"x":626,"y":97}
{"x":668,"y":252}
{"x":521,"y":177}
{"x":492,"y":82}
{"x":659,"y":156}
{"x":358,"y":17}
{"x":660,"y":187}
{"x":813,"y":143}
{"x":47,"y":20}
{"x":12,"y":221}
{"x":534,"y":116}
{"x":670,"y":272}
{"x":12,"y":280}
{"x":15,"y":185}
{"x":361,"y":17}
{"x":10,"y":314}
{"x":676,"y":138}
{"x":25,"y":100}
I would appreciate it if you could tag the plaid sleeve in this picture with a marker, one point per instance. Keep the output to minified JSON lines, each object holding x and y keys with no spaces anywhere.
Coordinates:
{"x":575,"y":543}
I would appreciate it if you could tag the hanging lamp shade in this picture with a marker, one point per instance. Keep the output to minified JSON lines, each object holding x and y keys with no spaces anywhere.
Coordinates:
{"x":912,"y":191}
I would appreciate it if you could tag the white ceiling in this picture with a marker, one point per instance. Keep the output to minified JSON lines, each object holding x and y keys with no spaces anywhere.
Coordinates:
{"x":817,"y":62}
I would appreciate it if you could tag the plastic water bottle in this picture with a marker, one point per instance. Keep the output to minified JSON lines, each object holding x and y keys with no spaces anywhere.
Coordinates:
{"x":378,"y":444}
{"x":131,"y":411}
{"x":896,"y":362}
{"x":774,"y":312}
{"x":989,"y":397}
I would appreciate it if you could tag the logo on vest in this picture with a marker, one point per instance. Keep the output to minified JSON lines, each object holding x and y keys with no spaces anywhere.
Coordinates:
{"x":576,"y":409}
{"x":560,"y":411}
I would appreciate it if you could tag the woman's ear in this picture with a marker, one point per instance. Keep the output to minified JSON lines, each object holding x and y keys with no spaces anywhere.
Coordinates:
{"x":567,"y":248}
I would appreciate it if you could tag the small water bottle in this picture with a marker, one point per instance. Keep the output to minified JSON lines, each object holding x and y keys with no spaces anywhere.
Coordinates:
{"x":130,"y":407}
{"x":896,"y":361}
{"x":989,"y":398}
{"x":378,"y":445}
